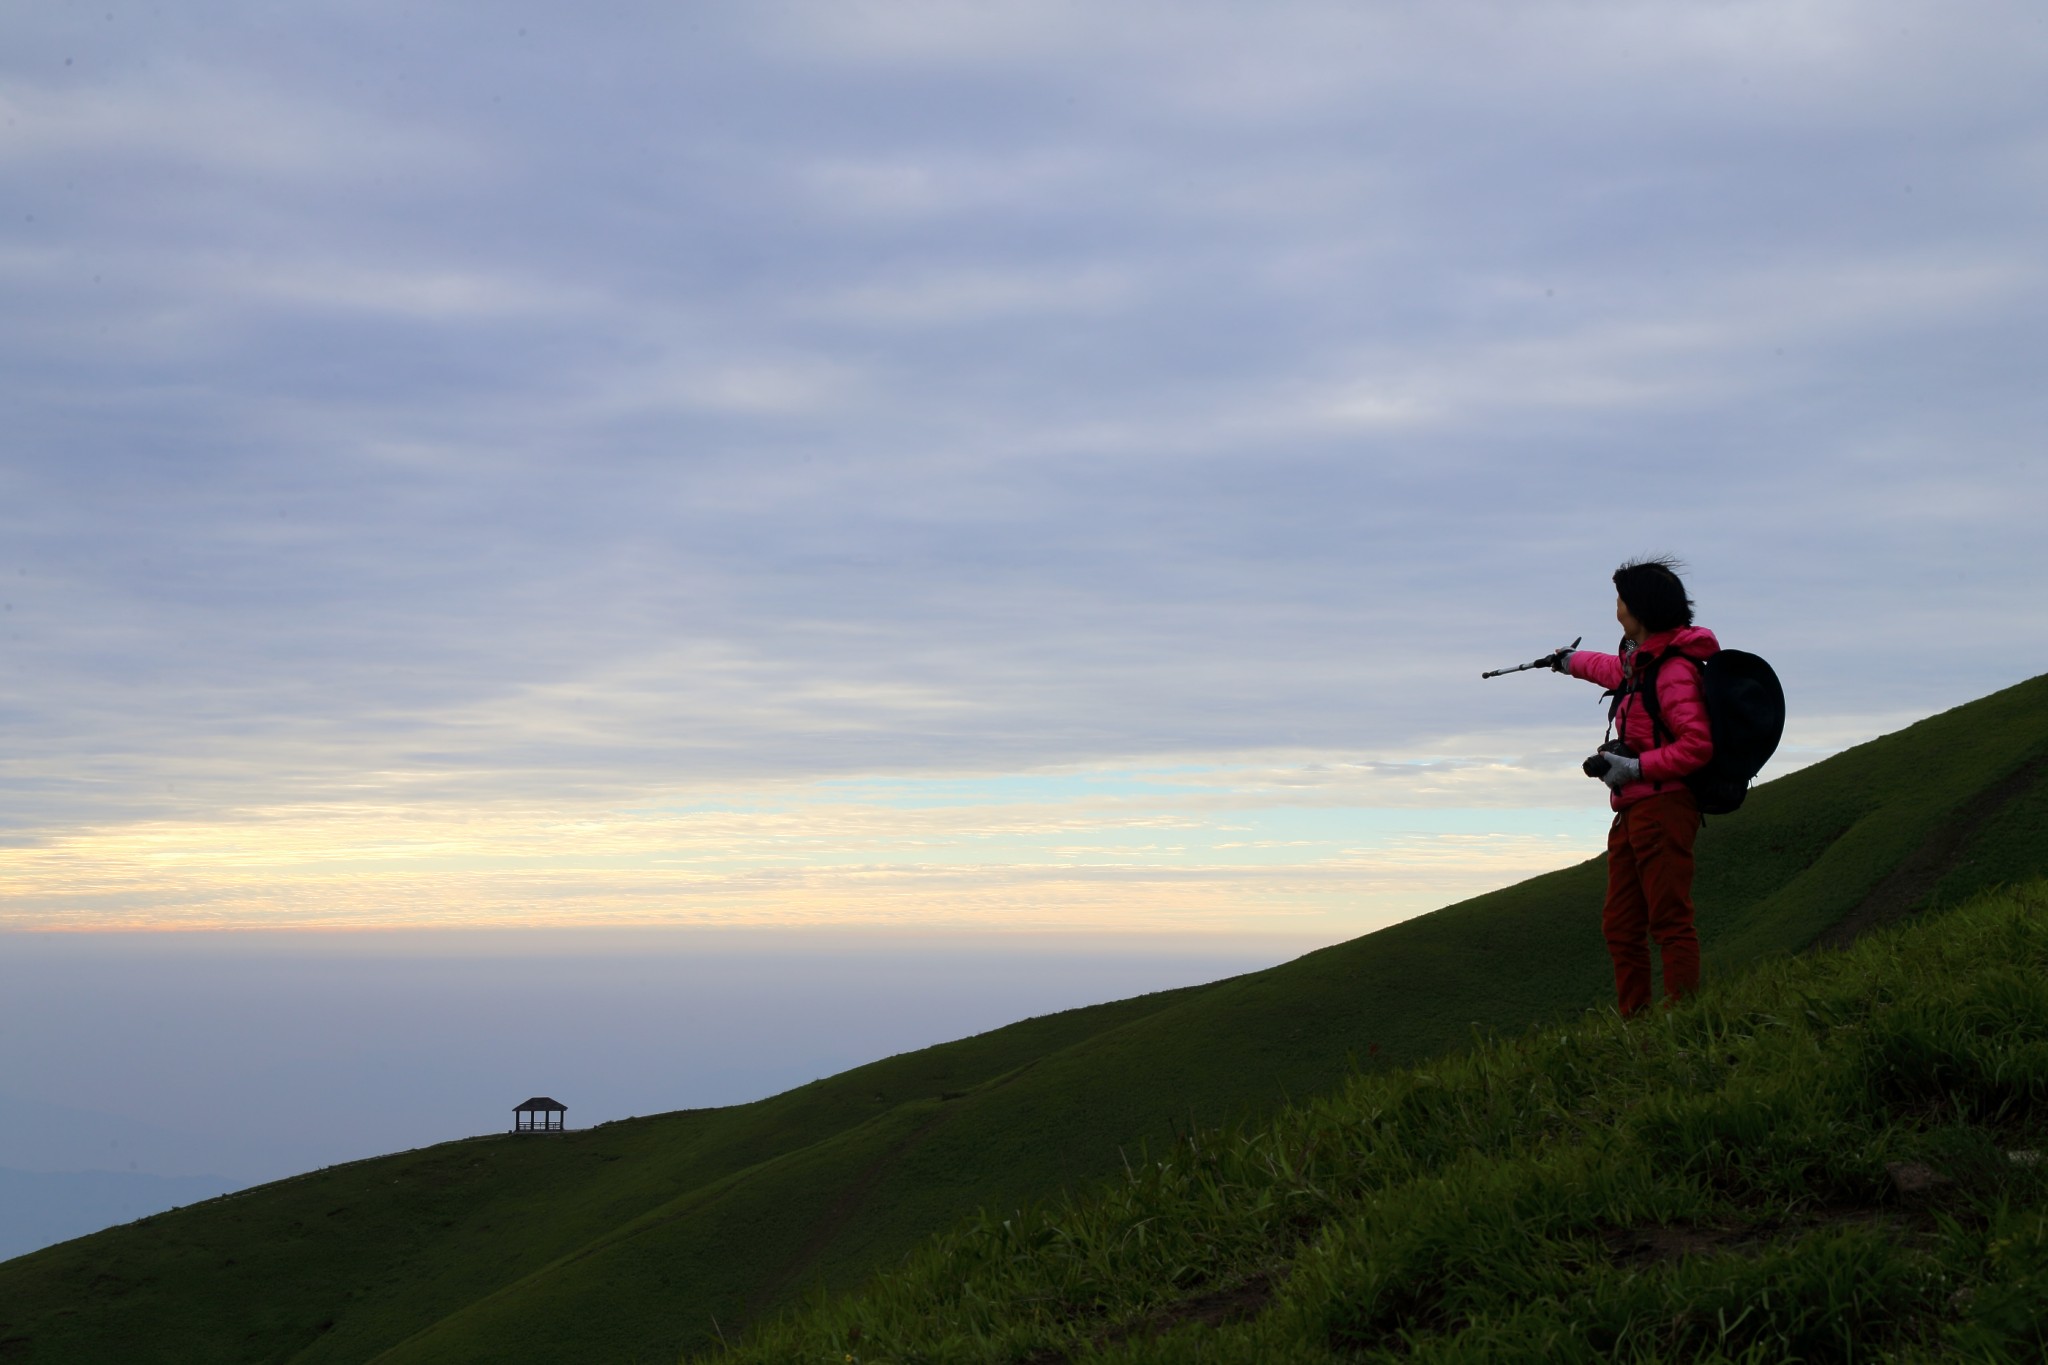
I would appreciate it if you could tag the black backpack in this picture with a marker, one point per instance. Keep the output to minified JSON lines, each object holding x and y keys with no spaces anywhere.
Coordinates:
{"x":1745,"y":712}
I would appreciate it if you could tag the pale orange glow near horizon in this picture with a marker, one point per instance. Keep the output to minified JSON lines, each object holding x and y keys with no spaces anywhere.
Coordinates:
{"x":1185,"y":855}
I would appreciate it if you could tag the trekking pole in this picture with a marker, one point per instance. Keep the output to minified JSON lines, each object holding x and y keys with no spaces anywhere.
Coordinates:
{"x":1543,"y":662}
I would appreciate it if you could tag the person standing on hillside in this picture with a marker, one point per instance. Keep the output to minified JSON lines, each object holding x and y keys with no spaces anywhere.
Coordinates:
{"x":1656,"y":819}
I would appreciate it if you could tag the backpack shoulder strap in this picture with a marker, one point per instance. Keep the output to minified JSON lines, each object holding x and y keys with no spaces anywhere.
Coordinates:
{"x":1648,"y":688}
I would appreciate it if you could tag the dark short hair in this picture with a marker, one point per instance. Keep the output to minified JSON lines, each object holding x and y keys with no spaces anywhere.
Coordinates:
{"x":1654,"y":593}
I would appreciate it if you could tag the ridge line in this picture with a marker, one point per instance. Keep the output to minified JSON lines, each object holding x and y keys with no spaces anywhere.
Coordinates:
{"x":1904,"y":890}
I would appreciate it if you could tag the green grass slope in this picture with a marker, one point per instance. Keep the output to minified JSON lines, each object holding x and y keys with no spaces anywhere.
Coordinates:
{"x":639,"y":1239}
{"x":339,"y":1264}
{"x":1831,"y":1158}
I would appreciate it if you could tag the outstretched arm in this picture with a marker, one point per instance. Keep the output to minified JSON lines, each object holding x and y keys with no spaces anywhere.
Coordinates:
{"x":1603,"y":670}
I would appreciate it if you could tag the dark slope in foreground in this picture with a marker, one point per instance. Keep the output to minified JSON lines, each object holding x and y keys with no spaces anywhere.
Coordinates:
{"x":637,"y":1239}
{"x":1836,"y":1157}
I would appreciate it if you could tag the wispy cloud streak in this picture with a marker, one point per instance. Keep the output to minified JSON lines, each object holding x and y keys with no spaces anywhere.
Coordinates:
{"x":540,"y":417}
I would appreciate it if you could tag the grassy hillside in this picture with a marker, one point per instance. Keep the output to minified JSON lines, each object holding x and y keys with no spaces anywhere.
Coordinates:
{"x":1832,"y":1158}
{"x":341,"y":1263}
{"x":639,"y":1239}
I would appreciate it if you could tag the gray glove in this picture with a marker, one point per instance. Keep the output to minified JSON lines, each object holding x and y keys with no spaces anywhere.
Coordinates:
{"x":1621,"y":771}
{"x":1561,"y":662}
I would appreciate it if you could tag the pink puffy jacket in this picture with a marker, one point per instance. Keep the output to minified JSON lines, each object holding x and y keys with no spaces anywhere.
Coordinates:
{"x":1688,"y":740}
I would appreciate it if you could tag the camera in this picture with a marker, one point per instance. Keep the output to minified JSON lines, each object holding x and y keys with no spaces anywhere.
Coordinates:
{"x":1597,"y":765}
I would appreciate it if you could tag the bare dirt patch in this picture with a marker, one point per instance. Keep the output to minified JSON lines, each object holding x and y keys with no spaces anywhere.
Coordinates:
{"x":1219,"y":1307}
{"x":1648,"y":1244}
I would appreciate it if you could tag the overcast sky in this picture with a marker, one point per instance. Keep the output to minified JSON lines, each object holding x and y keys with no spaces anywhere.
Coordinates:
{"x":1024,"y":465}
{"x":940,"y":468}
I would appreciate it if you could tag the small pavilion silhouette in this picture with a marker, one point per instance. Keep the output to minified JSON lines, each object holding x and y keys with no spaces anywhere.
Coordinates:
{"x":540,"y":1115}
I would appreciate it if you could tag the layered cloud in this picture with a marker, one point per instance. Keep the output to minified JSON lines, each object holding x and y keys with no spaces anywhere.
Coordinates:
{"x":549,"y":418}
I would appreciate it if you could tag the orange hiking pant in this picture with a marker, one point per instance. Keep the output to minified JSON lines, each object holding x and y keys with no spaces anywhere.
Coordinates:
{"x":1649,"y":896}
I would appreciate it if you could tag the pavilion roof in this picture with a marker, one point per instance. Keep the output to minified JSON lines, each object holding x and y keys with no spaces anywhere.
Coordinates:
{"x":542,"y":1102}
